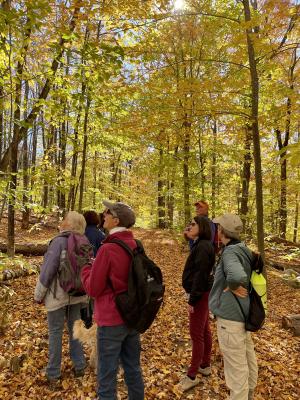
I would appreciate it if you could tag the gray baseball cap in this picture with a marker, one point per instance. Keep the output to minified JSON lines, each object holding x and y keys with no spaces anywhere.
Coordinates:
{"x":122,"y":211}
{"x":230,"y":222}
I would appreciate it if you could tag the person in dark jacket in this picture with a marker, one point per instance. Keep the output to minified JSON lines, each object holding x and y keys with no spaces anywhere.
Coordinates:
{"x":94,"y":235}
{"x":197,"y":280}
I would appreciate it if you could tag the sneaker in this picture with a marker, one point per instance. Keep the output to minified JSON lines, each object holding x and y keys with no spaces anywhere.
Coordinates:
{"x":206,"y":371}
{"x":79,"y":372}
{"x":187,"y":383}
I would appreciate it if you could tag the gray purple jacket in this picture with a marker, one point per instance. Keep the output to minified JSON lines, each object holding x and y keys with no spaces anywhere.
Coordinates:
{"x":48,"y":289}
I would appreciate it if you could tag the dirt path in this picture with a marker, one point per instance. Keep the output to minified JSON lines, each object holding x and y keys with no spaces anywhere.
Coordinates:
{"x":166,"y":346}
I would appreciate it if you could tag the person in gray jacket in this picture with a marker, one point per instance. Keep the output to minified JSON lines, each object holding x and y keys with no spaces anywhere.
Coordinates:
{"x":59,"y":304}
{"x":232,"y":277}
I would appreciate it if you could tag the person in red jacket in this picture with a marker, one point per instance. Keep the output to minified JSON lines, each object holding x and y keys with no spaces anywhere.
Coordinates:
{"x":107,"y":277}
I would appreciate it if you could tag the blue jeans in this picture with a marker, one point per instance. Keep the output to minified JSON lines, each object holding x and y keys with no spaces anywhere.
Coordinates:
{"x":56,"y":321}
{"x":115,"y":344}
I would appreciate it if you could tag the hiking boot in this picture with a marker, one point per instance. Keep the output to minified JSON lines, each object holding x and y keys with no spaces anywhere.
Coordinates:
{"x":251,"y":394}
{"x":206,"y":371}
{"x":187,"y":383}
{"x":79,"y":372}
{"x":53,"y":383}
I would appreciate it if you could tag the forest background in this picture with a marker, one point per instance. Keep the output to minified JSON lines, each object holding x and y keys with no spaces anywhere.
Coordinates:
{"x":154,"y":103}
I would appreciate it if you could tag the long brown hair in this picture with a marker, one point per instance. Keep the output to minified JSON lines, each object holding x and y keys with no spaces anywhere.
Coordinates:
{"x":204,"y":227}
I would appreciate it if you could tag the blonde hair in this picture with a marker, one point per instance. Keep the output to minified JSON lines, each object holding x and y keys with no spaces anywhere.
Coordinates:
{"x":75,"y":222}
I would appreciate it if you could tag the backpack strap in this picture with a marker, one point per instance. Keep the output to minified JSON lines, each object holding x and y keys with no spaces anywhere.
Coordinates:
{"x":123,"y":245}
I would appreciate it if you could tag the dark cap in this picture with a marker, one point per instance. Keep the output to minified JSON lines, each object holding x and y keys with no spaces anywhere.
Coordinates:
{"x":122,"y":211}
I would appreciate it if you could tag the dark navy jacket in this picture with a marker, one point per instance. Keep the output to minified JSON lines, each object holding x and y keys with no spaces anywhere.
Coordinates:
{"x":95,"y":237}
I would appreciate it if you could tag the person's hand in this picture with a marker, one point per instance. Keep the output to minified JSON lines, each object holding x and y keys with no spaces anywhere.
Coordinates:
{"x":240,"y":291}
{"x":191,"y":309}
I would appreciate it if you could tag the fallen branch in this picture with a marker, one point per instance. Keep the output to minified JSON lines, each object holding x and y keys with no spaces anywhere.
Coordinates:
{"x":27,"y":249}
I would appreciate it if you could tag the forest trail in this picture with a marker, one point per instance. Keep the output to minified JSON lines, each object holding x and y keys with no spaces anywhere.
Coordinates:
{"x":166,"y":345}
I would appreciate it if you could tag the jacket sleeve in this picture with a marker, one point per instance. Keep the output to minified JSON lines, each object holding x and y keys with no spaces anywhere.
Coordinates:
{"x":234,"y":270}
{"x":95,"y":277}
{"x":201,"y":274}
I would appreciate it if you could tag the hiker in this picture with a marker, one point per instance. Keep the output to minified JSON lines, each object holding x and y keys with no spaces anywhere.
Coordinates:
{"x":106,"y":277}
{"x":95,"y":235}
{"x":197,"y":280}
{"x":232,"y":277}
{"x":59,"y":304}
{"x":201,"y":209}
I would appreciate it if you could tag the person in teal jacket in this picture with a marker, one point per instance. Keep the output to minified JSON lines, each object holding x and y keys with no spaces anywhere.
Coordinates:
{"x":232,"y":277}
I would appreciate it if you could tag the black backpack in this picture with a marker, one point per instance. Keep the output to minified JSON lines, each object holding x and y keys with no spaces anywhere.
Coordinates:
{"x":139,"y":305}
{"x":256,"y":316}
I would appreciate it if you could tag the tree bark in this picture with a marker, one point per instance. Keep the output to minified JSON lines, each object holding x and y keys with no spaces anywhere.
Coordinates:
{"x":161,"y":201}
{"x":296,"y":218}
{"x":186,"y":177}
{"x":246,"y":176}
{"x":26,"y":209}
{"x":27,"y":249}
{"x":255,"y":132}
{"x":214,"y":170}
{"x":84,"y":152}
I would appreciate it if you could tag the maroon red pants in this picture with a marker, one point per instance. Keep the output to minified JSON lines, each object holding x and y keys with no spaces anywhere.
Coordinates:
{"x":200,"y":335}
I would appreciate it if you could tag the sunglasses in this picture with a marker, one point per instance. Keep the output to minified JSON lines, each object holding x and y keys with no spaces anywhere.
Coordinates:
{"x":110,"y":213}
{"x":193,"y":224}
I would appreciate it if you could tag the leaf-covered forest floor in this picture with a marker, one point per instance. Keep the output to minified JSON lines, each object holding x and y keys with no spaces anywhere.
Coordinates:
{"x":166,"y":347}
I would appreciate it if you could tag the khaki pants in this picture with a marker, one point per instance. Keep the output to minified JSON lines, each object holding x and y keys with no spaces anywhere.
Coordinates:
{"x":240,"y":365}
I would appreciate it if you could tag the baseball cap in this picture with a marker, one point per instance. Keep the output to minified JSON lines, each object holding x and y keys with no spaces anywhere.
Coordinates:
{"x":122,"y":211}
{"x":230,"y":222}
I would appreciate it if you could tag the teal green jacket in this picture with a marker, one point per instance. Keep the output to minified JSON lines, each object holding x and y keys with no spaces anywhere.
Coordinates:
{"x":233,"y":270}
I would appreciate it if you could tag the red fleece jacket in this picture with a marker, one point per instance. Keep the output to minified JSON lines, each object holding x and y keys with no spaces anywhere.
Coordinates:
{"x":111,"y":264}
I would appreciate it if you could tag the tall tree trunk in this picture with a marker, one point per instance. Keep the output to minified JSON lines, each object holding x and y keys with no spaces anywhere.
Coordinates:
{"x":255,"y":131}
{"x":72,"y":196}
{"x":246,"y":176}
{"x":95,"y":178}
{"x":33,"y":156}
{"x":2,"y":148}
{"x":84,"y":152}
{"x":26,"y":209}
{"x":282,"y":147}
{"x":161,"y":203}
{"x":186,"y":177}
{"x":295,"y":233}
{"x":171,"y":185}
{"x":202,"y":165}
{"x":62,"y":165}
{"x":13,"y":150}
{"x":214,"y":170}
